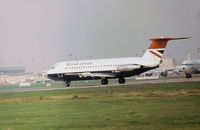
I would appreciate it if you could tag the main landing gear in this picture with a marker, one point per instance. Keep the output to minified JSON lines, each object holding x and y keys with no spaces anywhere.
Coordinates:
{"x":67,"y":83}
{"x":121,"y":81}
{"x":104,"y":81}
{"x":188,"y":76}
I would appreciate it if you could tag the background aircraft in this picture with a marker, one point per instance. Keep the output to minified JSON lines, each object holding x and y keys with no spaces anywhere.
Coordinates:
{"x":191,"y":66}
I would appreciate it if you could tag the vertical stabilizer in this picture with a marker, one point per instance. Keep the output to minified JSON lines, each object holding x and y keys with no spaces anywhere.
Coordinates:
{"x":155,"y":51}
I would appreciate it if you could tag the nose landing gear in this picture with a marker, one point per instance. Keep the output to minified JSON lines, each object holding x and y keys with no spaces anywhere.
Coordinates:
{"x":67,"y":83}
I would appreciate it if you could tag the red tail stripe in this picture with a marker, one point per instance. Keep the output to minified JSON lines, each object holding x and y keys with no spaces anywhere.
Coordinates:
{"x":156,"y":54}
{"x":162,"y":42}
{"x":156,"y":44}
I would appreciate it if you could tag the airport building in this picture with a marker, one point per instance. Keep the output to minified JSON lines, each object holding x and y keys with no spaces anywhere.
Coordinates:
{"x":12,"y":70}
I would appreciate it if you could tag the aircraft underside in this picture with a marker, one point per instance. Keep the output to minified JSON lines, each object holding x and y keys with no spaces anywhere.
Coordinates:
{"x":67,"y":78}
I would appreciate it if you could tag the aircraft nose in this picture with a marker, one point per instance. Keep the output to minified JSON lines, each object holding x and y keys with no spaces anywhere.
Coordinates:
{"x":187,"y":69}
{"x":48,"y":74}
{"x":51,"y":75}
{"x":45,"y":75}
{"x":184,"y":67}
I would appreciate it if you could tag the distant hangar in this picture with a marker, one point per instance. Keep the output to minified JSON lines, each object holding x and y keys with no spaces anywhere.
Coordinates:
{"x":12,"y":70}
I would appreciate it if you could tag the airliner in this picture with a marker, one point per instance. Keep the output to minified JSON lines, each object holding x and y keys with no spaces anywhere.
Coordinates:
{"x":105,"y":69}
{"x":191,"y":66}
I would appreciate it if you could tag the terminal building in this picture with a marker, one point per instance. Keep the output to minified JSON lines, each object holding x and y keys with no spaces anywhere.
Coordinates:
{"x":12,"y":70}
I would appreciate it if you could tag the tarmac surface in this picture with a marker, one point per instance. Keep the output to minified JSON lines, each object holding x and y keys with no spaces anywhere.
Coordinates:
{"x":171,"y":80}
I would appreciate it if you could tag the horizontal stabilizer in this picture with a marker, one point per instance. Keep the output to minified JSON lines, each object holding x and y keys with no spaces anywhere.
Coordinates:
{"x":162,"y":42}
{"x":179,"y":38}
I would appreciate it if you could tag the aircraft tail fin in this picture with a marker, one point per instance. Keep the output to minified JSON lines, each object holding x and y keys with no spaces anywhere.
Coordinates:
{"x":157,"y":48}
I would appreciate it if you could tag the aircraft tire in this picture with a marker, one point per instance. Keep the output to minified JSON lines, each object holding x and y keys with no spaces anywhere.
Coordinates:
{"x":164,"y":73}
{"x":67,"y":84}
{"x":104,"y":82}
{"x":121,"y":81}
{"x":188,"y":76}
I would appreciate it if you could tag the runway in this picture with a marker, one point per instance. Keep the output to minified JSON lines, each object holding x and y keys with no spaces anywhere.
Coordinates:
{"x":171,"y":80}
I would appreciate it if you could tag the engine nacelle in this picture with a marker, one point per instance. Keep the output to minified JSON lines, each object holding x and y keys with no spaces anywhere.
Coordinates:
{"x":128,"y":67}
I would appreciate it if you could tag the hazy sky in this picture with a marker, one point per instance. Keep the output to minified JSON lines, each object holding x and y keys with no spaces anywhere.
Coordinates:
{"x":38,"y":33}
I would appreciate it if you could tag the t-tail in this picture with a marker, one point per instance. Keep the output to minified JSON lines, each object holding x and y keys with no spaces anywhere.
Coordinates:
{"x":155,"y":51}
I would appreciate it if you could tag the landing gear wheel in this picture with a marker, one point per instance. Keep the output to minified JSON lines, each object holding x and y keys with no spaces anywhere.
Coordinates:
{"x":121,"y":81}
{"x":67,"y":83}
{"x":188,"y":76}
{"x":104,"y":81}
{"x":164,"y":73}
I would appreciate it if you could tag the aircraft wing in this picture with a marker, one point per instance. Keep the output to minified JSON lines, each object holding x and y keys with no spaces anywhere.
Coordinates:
{"x":103,"y":75}
{"x":97,"y":75}
{"x":125,"y":68}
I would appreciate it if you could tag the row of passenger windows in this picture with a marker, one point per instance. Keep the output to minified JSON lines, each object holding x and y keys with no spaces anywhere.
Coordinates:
{"x":95,"y":66}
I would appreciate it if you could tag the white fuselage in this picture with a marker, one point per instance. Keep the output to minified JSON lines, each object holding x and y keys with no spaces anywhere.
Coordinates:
{"x":98,"y":65}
